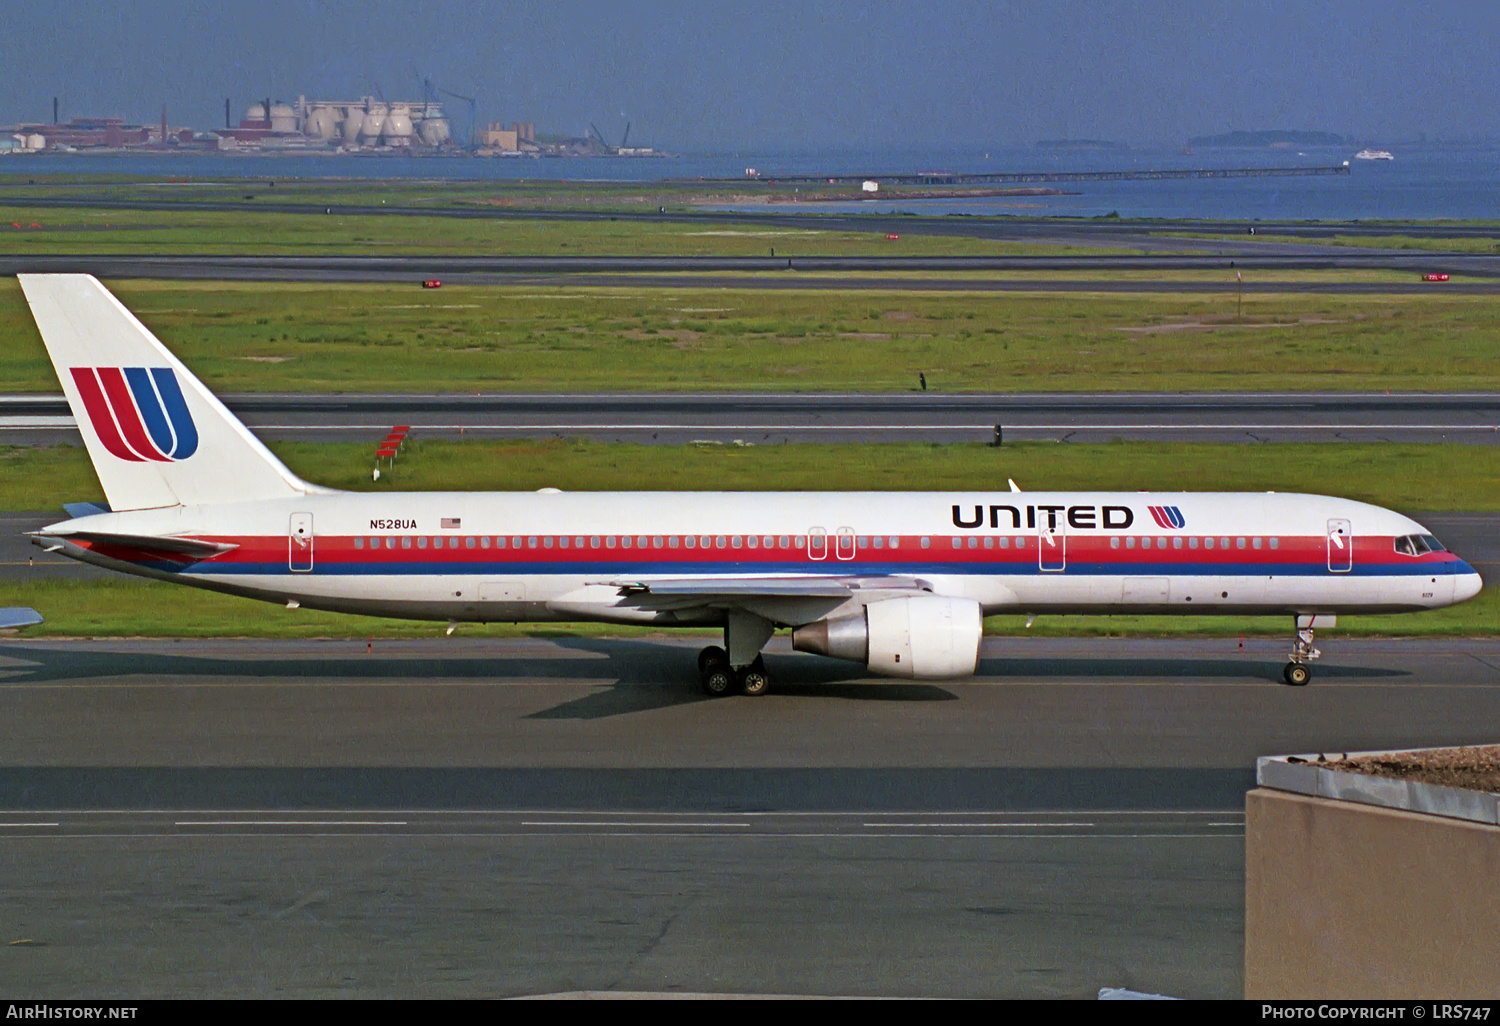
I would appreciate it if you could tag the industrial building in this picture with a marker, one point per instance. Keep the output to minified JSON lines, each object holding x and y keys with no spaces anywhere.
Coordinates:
{"x":367,"y":123}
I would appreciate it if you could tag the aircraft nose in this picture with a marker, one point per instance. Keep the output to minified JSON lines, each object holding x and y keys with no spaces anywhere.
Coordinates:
{"x":1467,"y":585}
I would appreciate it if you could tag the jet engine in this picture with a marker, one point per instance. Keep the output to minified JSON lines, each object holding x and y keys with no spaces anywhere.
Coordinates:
{"x":923,"y":638}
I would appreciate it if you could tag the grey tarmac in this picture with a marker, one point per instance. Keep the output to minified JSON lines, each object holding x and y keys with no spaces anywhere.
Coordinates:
{"x":770,"y":418}
{"x":469,"y":817}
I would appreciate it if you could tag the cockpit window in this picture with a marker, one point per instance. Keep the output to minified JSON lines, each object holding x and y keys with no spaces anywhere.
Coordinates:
{"x":1418,"y":545}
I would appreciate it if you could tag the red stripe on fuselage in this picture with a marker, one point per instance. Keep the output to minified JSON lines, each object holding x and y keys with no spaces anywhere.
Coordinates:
{"x":1306,"y":551}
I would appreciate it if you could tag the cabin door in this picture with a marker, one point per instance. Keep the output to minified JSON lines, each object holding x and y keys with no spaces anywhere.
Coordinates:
{"x":1340,"y":547}
{"x":299,"y":543}
{"x":1052,"y":546}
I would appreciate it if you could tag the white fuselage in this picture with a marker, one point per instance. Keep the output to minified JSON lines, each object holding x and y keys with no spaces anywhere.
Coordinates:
{"x":549,"y":556}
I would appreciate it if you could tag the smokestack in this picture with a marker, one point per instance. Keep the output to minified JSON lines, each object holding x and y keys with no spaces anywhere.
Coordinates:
{"x":226,"y":113}
{"x":164,"y":124}
{"x":54,"y":110}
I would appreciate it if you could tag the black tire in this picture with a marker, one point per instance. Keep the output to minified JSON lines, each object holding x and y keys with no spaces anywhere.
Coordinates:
{"x":1296,"y":674}
{"x":717,"y":682}
{"x":754,"y":682}
{"x":712,"y":657}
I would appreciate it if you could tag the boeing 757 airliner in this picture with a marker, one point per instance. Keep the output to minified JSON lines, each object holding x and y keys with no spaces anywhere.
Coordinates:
{"x":897,"y":581}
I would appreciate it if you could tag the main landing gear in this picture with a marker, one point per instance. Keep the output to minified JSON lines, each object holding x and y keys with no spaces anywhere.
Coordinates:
{"x":1297,"y":672}
{"x":718,"y":678}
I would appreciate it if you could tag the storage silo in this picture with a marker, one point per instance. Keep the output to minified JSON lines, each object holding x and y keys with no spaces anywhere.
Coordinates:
{"x":322,"y":122}
{"x":397,"y":130}
{"x":374,"y":123}
{"x":433,"y":128}
{"x":354,"y":119}
{"x":283,"y":118}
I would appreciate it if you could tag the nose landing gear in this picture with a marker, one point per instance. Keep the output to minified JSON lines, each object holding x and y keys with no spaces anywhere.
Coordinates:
{"x":1297,"y":672}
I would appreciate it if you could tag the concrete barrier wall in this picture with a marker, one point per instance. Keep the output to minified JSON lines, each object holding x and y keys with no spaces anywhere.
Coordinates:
{"x":1355,"y":901}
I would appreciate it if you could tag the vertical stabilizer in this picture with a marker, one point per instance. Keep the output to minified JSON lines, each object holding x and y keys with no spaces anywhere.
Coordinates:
{"x":156,"y":435}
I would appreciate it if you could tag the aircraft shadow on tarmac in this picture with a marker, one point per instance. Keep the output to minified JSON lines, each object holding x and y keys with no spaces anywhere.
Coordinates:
{"x":632,"y":676}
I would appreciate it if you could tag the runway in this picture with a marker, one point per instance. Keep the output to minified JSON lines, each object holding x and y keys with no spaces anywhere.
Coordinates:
{"x":816,"y":272}
{"x":1472,"y":418}
{"x":472,"y":818}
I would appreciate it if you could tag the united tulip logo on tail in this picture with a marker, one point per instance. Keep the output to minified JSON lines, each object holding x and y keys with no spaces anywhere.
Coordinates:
{"x":1167,"y":516}
{"x":138,"y":412}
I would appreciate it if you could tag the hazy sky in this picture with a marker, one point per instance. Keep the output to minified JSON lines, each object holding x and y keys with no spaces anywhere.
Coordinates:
{"x":784,"y":74}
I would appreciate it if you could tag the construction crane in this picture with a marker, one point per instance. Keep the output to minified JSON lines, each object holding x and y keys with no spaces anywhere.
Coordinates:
{"x":598,"y":135}
{"x":430,"y":89}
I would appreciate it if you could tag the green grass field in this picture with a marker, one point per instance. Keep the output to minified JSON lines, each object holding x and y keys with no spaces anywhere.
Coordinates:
{"x":1404,"y":477}
{"x":302,"y":337}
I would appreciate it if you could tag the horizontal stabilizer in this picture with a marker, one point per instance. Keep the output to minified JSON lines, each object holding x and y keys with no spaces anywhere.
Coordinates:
{"x":19,"y":616}
{"x":191,"y":549}
{"x":79,"y":510}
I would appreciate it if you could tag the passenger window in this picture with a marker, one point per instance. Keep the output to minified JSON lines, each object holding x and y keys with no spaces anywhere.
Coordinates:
{"x":1255,"y":543}
{"x":1114,"y":542}
{"x":1005,"y":541}
{"x":625,"y":542}
{"x":1193,"y":542}
{"x":1161,"y":543}
{"x":1239,"y":543}
{"x":691,"y":541}
{"x":1130,"y":542}
{"x":546,"y":541}
{"x":926,"y":542}
{"x":1177,"y":543}
{"x":785,"y":541}
{"x":484,"y":542}
{"x":735,"y":541}
{"x":958,"y":543}
{"x":895,"y":543}
{"x":1275,"y":543}
{"x":752,"y":541}
{"x":359,"y":543}
{"x":594,"y":542}
{"x":879,"y":542}
{"x":609,"y":542}
{"x":1208,"y":543}
{"x":406,"y":542}
{"x":499,"y":543}
{"x":1223,"y":543}
{"x":656,"y":542}
{"x":563,"y":542}
{"x":469,"y":542}
{"x":720,"y":542}
{"x":421,"y":543}
{"x":390,"y":543}
{"x":989,"y":542}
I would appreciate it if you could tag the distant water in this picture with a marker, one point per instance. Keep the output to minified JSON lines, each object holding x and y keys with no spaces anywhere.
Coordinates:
{"x":1423,"y":182}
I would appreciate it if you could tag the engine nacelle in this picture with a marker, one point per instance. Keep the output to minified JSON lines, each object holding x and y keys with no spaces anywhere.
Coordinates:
{"x":922,"y":638}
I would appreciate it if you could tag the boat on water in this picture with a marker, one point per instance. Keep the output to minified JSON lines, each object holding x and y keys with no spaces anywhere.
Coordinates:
{"x":1374,"y":155}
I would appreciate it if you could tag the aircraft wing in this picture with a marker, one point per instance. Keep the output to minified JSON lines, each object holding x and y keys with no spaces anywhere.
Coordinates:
{"x":19,"y":616}
{"x":778,"y":599}
{"x":731,"y":587}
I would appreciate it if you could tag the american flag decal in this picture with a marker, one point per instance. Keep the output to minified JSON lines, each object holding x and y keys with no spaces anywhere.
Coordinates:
{"x":452,"y":523}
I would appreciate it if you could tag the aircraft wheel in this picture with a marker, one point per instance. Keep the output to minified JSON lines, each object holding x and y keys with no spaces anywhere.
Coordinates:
{"x":1297,"y":674}
{"x":753,"y":679}
{"x":717,"y":681}
{"x":712,"y":656}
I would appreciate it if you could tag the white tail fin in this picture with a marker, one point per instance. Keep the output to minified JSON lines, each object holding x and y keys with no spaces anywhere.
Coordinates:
{"x":156,"y":435}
